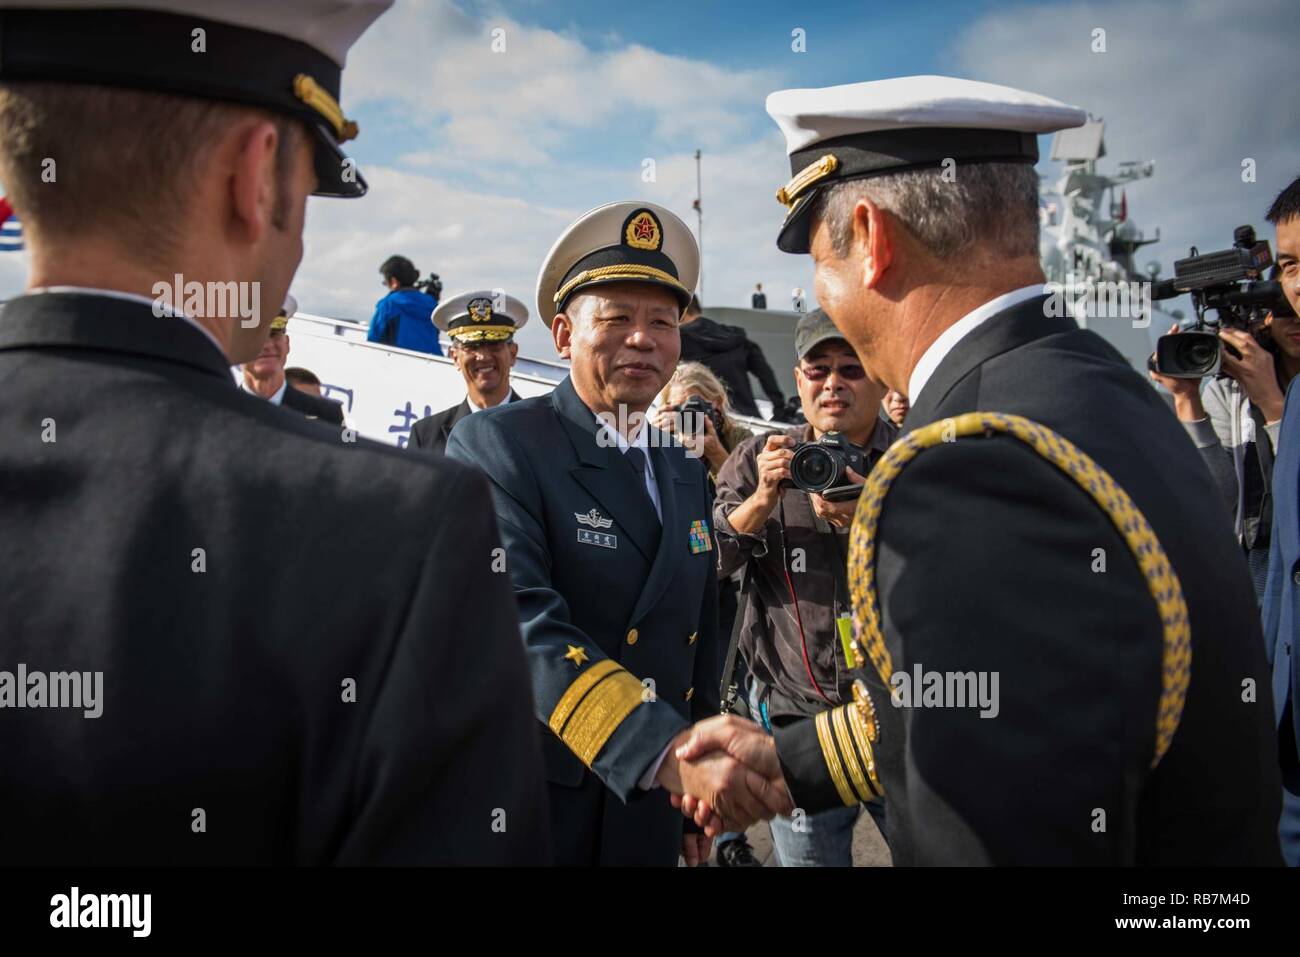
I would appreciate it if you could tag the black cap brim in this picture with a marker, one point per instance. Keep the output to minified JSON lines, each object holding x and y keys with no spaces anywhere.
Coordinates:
{"x":337,"y":174}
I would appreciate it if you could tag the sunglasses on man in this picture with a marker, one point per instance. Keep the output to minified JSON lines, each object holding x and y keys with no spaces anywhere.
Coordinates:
{"x":849,"y":371}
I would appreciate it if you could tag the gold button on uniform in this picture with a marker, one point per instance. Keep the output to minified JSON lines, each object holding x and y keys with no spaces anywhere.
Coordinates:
{"x":691,"y":640}
{"x":690,"y":693}
{"x":632,"y":636}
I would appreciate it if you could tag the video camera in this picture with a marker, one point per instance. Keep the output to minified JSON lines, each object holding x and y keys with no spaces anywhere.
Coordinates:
{"x":1227,"y":282}
{"x":820,"y":466}
{"x":431,"y":286}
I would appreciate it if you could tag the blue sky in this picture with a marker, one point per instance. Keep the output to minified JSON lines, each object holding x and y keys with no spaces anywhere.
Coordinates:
{"x":478,"y":159}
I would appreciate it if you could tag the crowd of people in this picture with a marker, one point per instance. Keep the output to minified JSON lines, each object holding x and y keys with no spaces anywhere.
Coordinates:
{"x":613,"y":625}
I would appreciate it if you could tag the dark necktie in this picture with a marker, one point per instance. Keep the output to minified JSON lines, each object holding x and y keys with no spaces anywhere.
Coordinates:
{"x":636,"y":458}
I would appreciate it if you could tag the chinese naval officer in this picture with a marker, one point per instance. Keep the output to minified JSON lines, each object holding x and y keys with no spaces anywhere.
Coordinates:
{"x":606,"y":526}
{"x":290,"y":629}
{"x":1062,"y":661}
{"x":481,"y":326}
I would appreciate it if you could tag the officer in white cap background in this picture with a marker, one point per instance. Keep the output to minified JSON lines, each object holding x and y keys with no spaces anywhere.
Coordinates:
{"x":1053,"y":637}
{"x":262,"y":702}
{"x":606,"y":527}
{"x":481,"y":326}
{"x":265,"y":374}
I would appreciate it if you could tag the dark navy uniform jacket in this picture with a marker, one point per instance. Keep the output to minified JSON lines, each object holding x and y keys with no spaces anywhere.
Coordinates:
{"x":1282,"y":616}
{"x":432,"y":431}
{"x":986,"y":562}
{"x":619,"y":615}
{"x":334,"y":679}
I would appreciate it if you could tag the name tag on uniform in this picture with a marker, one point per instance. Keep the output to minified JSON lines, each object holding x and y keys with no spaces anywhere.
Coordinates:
{"x":700,"y":540}
{"x":603,"y":539}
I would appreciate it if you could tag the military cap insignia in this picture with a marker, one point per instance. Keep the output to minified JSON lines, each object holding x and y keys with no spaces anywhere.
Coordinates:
{"x":480,"y":310}
{"x":642,"y":231}
{"x":593,"y":518}
{"x":577,"y":654}
{"x":700,"y":541}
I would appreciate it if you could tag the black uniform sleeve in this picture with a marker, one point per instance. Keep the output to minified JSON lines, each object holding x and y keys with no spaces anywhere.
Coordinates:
{"x":994,"y":565}
{"x":449,"y":770}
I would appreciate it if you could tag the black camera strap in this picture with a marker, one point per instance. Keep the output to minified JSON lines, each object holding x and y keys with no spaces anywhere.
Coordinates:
{"x":730,"y":690}
{"x":1259,"y":535}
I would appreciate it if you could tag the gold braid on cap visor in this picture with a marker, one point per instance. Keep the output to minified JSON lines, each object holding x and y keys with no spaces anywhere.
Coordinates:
{"x":810,"y":174}
{"x":481,"y":333}
{"x":318,"y":98}
{"x":621,"y":271}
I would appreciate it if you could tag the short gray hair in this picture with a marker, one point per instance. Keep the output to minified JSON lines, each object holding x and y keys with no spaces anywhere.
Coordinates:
{"x":993,"y":205}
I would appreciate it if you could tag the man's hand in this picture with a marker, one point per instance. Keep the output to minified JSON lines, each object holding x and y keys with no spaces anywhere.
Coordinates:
{"x":773,"y":467}
{"x":695,"y":849}
{"x":730,"y":764}
{"x":1186,"y":392}
{"x":1254,"y":371}
{"x":839,"y":514}
{"x":703,"y":816}
{"x":743,"y":740}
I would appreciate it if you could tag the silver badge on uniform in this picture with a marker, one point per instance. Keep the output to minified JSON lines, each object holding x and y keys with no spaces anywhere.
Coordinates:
{"x":594,"y":535}
{"x":587,"y":537}
{"x":593,"y":518}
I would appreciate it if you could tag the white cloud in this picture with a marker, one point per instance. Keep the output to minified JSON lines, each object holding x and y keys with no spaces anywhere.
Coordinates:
{"x":523,"y":105}
{"x":1198,"y":86}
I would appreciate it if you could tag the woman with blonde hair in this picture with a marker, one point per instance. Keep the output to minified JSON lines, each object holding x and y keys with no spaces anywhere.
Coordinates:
{"x":711,"y":439}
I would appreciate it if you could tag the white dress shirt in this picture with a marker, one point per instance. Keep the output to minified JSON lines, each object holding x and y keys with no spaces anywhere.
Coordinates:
{"x":475,"y":407}
{"x":639,"y":441}
{"x":274,"y":399}
{"x":958,"y":331}
{"x":166,"y":310}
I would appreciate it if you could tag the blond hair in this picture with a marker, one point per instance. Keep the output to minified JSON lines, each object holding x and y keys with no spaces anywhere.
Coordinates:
{"x":700,"y":378}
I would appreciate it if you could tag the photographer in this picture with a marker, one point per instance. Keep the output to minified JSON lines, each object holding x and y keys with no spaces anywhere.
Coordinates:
{"x":793,"y":547}
{"x":404,"y":317}
{"x":709,"y":432}
{"x":1234,"y":421}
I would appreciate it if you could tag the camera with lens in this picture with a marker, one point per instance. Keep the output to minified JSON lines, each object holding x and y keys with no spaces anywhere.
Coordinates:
{"x":693,"y":412}
{"x":821,"y":466}
{"x":1228,"y":284}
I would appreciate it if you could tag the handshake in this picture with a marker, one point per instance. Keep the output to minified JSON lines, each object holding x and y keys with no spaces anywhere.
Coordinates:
{"x":724,"y":774}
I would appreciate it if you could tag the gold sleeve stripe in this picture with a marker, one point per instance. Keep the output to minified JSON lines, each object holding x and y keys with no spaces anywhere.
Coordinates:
{"x":600,"y":713}
{"x":854,"y":721}
{"x":832,"y":759}
{"x":850,"y":752}
{"x":585,"y":681}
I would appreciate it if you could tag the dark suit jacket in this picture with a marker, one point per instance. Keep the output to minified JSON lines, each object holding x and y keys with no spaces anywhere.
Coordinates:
{"x":1282,"y":612}
{"x":985,"y":563}
{"x":431,"y":432}
{"x":238,"y":575}
{"x":313,"y":407}
{"x":619,"y":614}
